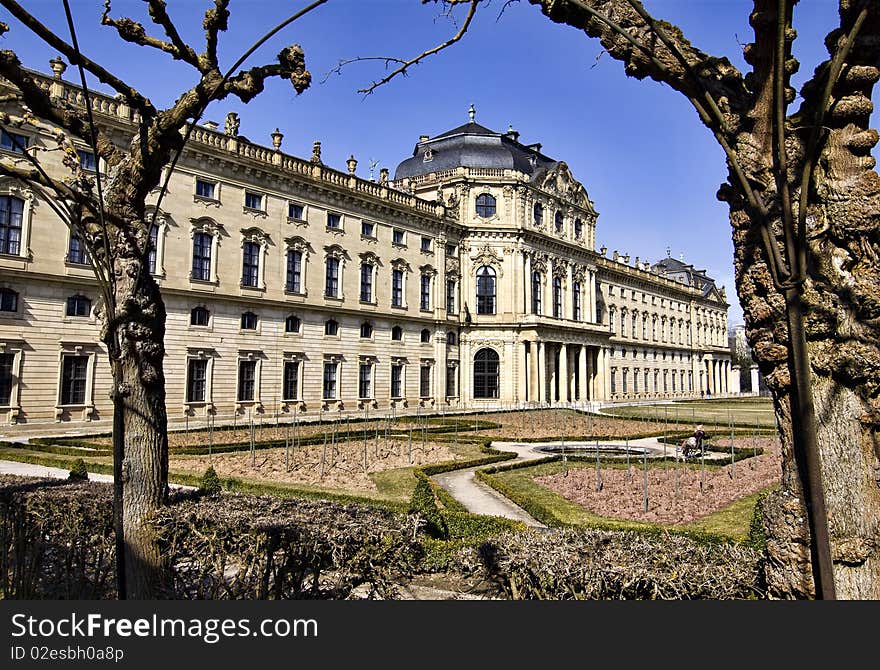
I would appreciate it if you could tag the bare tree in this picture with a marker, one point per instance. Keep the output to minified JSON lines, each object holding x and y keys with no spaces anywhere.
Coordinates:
{"x":112,"y":220}
{"x":804,"y":203}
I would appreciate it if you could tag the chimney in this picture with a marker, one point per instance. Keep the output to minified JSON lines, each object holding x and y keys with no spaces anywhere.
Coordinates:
{"x":511,"y":133}
{"x":423,"y":139}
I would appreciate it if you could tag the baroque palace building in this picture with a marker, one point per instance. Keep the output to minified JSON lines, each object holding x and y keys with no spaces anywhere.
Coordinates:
{"x":468,"y":279}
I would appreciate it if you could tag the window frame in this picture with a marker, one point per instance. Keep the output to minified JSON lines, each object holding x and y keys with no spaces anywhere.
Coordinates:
{"x":489,"y":205}
{"x":486,"y":299}
{"x":215,"y":189}
{"x":246,"y":319}
{"x":7,"y":227}
{"x":200,"y":309}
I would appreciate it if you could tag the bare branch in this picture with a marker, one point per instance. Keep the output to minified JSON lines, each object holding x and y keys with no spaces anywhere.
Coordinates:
{"x":59,"y":112}
{"x":133,"y":32}
{"x":404,"y":65}
{"x":131,"y":95}
{"x":159,"y":15}
{"x":216,"y":20}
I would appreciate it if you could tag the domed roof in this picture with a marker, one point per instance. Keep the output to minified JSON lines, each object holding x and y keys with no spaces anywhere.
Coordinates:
{"x":474,"y":146}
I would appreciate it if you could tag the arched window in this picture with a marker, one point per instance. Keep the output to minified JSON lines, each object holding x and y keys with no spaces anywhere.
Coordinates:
{"x":485,"y":290}
{"x":292,"y":324}
{"x":425,"y":335}
{"x":538,"y":214}
{"x":366,"y":331}
{"x":536,"y":293}
{"x":558,"y":221}
{"x":557,"y":297}
{"x":450,"y":338}
{"x":11,"y":211}
{"x":486,"y":374}
{"x":199,"y":316}
{"x":331,"y":327}
{"x":397,"y":333}
{"x":485,"y":205}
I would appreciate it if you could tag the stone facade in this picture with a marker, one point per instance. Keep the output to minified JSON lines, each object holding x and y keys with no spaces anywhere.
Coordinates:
{"x":292,"y":286}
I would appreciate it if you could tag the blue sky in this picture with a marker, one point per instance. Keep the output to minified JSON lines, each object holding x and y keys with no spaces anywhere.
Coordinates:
{"x":648,"y":164}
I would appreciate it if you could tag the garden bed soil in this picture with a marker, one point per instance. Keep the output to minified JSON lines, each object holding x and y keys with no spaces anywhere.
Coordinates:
{"x":622,"y":492}
{"x":343,"y":466}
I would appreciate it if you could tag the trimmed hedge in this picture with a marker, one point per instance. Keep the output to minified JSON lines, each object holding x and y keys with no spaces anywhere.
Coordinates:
{"x":613,"y":565}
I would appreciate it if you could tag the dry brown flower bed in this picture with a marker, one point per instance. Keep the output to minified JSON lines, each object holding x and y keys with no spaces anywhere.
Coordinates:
{"x":199,"y":437}
{"x":540,"y":424}
{"x":622,"y":493}
{"x":343,"y":466}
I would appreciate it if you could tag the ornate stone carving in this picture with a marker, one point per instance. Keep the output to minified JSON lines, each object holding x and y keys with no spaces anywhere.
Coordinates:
{"x":485,"y":255}
{"x":453,"y":267}
{"x":232,"y":124}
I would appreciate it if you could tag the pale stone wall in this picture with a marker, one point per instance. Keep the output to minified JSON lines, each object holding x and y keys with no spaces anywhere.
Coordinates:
{"x":542,"y":357}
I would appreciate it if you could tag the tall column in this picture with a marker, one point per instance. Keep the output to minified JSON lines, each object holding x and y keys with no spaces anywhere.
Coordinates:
{"x":606,"y":363}
{"x":592,"y":301}
{"x":439,"y":370}
{"x":718,"y":388}
{"x":735,"y":378}
{"x":589,"y":392}
{"x":583,"y":377}
{"x":553,"y":384}
{"x":564,"y":381}
{"x":542,"y":371}
{"x":756,"y":381}
{"x":522,"y":385}
{"x":527,"y":285}
{"x":533,"y":371}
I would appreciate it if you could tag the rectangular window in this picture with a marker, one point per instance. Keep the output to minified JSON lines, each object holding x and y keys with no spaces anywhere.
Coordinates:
{"x":425,"y":293}
{"x":331,"y":287}
{"x":291,"y":380}
{"x":426,"y":244}
{"x":450,"y":295}
{"x":87,"y":160}
{"x":11,"y":210}
{"x":366,"y":283}
{"x":450,"y":250}
{"x":201,"y":265}
{"x":295,"y":211}
{"x":425,"y":381}
{"x":247,"y":380}
{"x":397,"y":381}
{"x":397,"y":288}
{"x":13,"y":142}
{"x":368,"y":229}
{"x":330,"y":369}
{"x":576,"y":301}
{"x":6,"y":361}
{"x":196,"y":379}
{"x":74,"y":373}
{"x":294,"y":271}
{"x":206,"y":189}
{"x":253,"y":201}
{"x":334,"y":220}
{"x":76,"y":251}
{"x":152,"y":253}
{"x":397,"y":237}
{"x":451,"y":379}
{"x":614,"y":381}
{"x":250,"y":269}
{"x":365,"y":380}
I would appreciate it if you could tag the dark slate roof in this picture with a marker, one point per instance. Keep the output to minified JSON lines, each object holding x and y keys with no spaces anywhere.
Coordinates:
{"x":475,"y":146}
{"x":686,"y":273}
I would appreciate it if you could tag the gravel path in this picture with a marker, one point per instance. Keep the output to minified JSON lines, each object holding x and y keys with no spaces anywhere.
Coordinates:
{"x":481,"y":499}
{"x":31,"y":470}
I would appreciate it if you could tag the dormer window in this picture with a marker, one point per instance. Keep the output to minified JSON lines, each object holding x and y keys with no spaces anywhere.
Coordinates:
{"x":428,"y":156}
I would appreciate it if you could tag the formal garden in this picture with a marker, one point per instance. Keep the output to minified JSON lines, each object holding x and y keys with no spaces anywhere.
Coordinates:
{"x":353,"y":497}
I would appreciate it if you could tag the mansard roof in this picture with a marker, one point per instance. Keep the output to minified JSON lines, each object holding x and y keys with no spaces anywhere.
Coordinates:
{"x":687,"y":274}
{"x":474,"y":146}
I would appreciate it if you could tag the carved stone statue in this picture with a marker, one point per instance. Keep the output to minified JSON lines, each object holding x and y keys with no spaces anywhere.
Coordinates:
{"x":232,"y":124}
{"x":316,"y":152}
